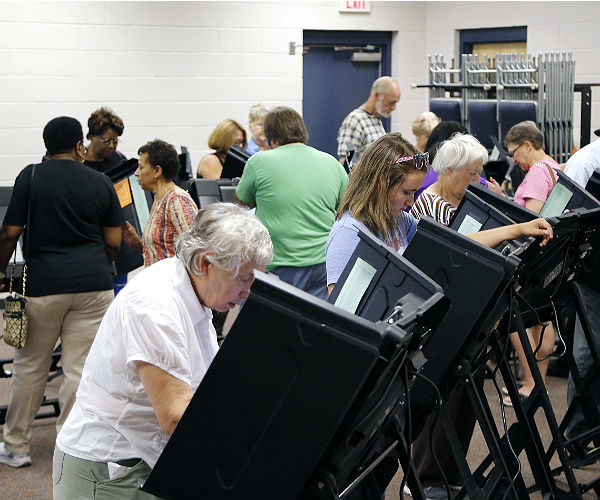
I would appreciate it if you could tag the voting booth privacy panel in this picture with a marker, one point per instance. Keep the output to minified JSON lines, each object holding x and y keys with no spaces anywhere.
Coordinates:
{"x":291,"y":406}
{"x":378,"y":284}
{"x":457,"y":264}
{"x":135,"y":207}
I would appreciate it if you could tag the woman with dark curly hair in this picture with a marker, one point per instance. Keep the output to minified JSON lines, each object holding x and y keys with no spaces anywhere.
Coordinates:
{"x":173,"y":209}
{"x":104,"y":130}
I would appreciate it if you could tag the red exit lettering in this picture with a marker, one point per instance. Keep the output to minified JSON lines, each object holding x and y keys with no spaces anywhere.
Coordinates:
{"x":355,"y":4}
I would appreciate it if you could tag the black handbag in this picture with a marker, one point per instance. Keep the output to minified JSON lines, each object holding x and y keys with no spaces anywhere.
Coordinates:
{"x":15,"y":317}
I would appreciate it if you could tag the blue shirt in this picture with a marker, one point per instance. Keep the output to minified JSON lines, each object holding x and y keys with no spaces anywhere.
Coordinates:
{"x":343,"y":240}
{"x":252,"y":146}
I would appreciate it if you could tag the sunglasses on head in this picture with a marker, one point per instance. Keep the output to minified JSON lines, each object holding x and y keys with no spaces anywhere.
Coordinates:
{"x":421,"y":160}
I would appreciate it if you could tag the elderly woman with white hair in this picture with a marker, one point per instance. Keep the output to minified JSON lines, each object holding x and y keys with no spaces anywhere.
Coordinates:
{"x":458,"y":162}
{"x":151,"y":352}
{"x":256,"y":123}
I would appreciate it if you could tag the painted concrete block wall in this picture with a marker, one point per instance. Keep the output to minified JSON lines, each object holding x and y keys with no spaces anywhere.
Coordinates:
{"x":551,"y":26}
{"x":169,"y":69}
{"x":175,"y":69}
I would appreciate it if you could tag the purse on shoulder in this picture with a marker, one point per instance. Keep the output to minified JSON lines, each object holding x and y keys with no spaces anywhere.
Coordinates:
{"x":15,"y":317}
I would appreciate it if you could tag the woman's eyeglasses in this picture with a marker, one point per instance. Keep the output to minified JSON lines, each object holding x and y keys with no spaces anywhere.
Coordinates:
{"x":510,"y":154}
{"x":108,"y":141}
{"x":421,"y":160}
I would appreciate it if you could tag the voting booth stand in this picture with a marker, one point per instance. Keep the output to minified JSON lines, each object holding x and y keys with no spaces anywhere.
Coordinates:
{"x":376,"y":277}
{"x":456,"y":353}
{"x":543,"y":282}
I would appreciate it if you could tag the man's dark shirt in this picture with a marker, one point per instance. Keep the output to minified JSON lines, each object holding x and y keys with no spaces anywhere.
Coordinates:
{"x":70,"y":205}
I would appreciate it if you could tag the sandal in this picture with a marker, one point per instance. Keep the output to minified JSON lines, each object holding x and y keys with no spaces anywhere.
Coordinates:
{"x":504,"y":390}
{"x":507,"y":402}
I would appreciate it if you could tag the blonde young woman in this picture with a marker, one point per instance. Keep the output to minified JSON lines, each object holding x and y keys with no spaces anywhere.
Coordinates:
{"x":226,"y":134}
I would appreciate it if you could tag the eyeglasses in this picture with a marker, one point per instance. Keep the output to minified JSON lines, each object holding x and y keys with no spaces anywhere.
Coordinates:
{"x":108,"y":141}
{"x":511,"y":153}
{"x":421,"y":160}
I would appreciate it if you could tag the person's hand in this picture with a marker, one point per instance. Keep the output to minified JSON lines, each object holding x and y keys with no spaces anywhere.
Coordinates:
{"x":129,"y":235}
{"x":537,"y":227}
{"x":495,"y":187}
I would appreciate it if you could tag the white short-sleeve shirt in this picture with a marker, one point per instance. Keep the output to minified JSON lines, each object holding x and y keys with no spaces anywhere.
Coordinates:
{"x":581,"y":165}
{"x":157,"y":318}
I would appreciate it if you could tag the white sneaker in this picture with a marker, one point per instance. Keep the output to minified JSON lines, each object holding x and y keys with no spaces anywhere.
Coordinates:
{"x":13,"y":459}
{"x":406,"y":490}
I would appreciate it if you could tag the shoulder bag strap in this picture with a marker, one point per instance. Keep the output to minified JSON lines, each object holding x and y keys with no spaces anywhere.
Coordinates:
{"x":552,"y":173}
{"x":28,"y":228}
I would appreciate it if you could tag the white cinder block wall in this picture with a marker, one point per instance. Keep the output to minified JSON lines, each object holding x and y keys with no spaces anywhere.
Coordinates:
{"x":175,"y":69}
{"x":551,"y":26}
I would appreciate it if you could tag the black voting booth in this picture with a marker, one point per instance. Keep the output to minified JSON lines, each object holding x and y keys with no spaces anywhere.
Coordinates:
{"x":567,"y":195}
{"x":235,"y":161}
{"x":135,"y":207}
{"x":454,"y":262}
{"x":542,"y":281}
{"x":509,"y":208}
{"x":291,"y":406}
{"x":458,"y":263}
{"x":377,"y":284}
{"x":185,"y":171}
{"x":475,"y":279}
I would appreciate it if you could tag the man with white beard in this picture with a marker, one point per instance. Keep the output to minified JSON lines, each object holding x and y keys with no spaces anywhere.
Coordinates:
{"x":363,"y":126}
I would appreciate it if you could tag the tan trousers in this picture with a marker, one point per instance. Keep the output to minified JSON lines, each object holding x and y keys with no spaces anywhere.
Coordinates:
{"x":83,"y":479}
{"x":72,"y":317}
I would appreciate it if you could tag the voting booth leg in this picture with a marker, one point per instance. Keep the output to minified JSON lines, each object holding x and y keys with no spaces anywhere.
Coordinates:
{"x":412,"y":480}
{"x":585,"y":400}
{"x":524,"y":434}
{"x":503,"y":476}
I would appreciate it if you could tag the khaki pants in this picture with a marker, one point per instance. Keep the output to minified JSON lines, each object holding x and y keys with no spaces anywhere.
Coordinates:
{"x":83,"y":479}
{"x":72,"y":317}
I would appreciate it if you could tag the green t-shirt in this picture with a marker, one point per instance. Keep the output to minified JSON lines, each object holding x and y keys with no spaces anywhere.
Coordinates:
{"x":297,"y":190}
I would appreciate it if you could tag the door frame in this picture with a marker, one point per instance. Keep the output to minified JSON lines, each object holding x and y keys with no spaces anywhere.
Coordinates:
{"x":469,"y":37}
{"x":359,"y":38}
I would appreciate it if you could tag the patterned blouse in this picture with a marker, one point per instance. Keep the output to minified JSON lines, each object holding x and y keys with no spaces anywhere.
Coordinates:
{"x":168,"y":219}
{"x":434,"y":206}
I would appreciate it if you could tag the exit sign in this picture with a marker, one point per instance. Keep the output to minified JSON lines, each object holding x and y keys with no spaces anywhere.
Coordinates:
{"x":355,"y":6}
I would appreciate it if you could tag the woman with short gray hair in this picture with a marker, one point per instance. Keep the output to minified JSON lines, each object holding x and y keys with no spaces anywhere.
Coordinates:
{"x":256,"y":123}
{"x":458,"y":162}
{"x":151,"y":352}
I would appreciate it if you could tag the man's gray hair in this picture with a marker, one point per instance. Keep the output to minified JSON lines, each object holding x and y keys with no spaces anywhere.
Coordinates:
{"x":234,"y":237}
{"x":382,"y":84}
{"x":458,"y":152}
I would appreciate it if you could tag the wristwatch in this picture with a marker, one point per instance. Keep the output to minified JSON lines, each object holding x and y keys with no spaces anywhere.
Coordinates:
{"x":2,"y":275}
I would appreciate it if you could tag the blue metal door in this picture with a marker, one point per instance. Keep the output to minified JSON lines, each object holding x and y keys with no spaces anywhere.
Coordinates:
{"x":334,"y":84}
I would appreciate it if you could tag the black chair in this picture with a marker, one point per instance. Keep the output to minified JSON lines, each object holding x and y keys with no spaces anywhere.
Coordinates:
{"x":228,"y":194}
{"x":204,"y":192}
{"x":481,"y":116}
